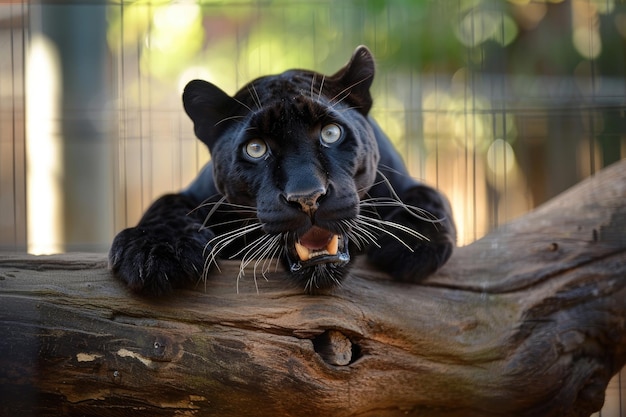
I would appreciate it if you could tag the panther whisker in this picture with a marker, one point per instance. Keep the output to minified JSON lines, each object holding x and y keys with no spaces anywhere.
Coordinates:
{"x":244,"y":105}
{"x":369,"y":209}
{"x":363,"y":236}
{"x":385,"y":231}
{"x":395,"y":200}
{"x":378,"y":224}
{"x":348,"y":88}
{"x":308,"y":287}
{"x":220,"y":242}
{"x":257,"y":252}
{"x":255,"y":247}
{"x":245,"y":213}
{"x":275,"y":251}
{"x":273,"y":246}
{"x":205,"y":203}
{"x":275,"y":255}
{"x":345,"y":109}
{"x":386,"y":181}
{"x":226,"y":119}
{"x":225,"y":239}
{"x":345,"y":225}
{"x":250,"y":246}
{"x":216,"y":208}
{"x":313,"y":78}
{"x":312,"y":282}
{"x":398,"y":226}
{"x":200,"y":278}
{"x":392,"y":169}
{"x":417,"y":212}
{"x":332,"y":105}
{"x":227,"y":222}
{"x":223,"y":202}
{"x":319,"y":94}
{"x":216,"y":205}
{"x":255,"y":96}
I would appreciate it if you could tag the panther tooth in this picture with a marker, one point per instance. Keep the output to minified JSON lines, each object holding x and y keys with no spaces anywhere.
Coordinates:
{"x":333,"y":245}
{"x":303,"y":253}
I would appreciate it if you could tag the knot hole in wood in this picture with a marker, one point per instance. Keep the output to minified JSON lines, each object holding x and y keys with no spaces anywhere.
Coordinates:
{"x":335,"y":348}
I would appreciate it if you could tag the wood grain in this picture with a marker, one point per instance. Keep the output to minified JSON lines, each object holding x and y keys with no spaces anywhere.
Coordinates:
{"x":528,"y":321}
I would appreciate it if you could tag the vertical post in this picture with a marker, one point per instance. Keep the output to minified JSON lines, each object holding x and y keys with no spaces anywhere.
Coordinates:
{"x":76,"y":36}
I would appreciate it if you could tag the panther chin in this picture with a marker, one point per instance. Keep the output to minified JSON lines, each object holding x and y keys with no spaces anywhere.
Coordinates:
{"x":318,"y":259}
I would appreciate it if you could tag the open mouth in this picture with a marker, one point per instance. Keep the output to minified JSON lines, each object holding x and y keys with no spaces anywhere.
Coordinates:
{"x":319,"y":246}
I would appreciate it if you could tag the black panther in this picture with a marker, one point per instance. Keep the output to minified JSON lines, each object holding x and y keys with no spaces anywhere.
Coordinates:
{"x":299,"y":174}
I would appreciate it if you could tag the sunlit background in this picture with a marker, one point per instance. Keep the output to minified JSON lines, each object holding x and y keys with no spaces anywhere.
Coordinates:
{"x":500,"y":104}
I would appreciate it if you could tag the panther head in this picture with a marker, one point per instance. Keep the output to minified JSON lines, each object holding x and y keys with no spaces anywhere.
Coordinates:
{"x":297,"y":148}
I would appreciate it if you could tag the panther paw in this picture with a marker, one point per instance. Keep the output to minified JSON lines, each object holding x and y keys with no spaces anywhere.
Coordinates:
{"x":411,"y":265}
{"x":153,"y":264}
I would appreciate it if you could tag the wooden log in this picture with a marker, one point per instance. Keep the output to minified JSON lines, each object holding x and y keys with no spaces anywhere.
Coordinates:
{"x":528,"y":321}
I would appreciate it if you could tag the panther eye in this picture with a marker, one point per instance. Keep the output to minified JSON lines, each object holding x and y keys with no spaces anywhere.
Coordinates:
{"x":330,"y":133}
{"x":256,"y":148}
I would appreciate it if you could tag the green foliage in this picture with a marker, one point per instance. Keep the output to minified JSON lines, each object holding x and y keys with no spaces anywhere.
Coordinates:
{"x":411,"y":35}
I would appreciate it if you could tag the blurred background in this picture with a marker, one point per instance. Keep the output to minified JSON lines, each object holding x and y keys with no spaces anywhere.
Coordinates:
{"x":500,"y":104}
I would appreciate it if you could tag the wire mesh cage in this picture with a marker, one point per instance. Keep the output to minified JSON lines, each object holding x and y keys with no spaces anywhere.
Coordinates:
{"x":502,"y":105}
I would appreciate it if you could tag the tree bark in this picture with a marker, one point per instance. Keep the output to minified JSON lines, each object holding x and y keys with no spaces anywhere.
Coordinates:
{"x":528,"y":321}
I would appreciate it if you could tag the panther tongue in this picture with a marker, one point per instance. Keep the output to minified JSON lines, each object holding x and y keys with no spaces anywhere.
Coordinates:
{"x":316,"y":238}
{"x":317,"y":242}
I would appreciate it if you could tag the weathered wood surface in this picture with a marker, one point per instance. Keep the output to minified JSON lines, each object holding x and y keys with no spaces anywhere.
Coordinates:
{"x":528,"y":321}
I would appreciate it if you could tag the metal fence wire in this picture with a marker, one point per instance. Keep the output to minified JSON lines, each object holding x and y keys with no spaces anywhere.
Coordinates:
{"x":500,"y":104}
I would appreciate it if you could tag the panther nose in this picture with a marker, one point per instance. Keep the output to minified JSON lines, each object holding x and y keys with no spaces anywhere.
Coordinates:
{"x":307,"y":202}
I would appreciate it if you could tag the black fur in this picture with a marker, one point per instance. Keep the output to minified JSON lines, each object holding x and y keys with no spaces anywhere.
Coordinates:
{"x":165,"y":250}
{"x":302,"y":184}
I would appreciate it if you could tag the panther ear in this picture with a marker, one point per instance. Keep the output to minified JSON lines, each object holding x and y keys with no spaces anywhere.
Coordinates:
{"x":210,"y":109}
{"x":355,"y":80}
